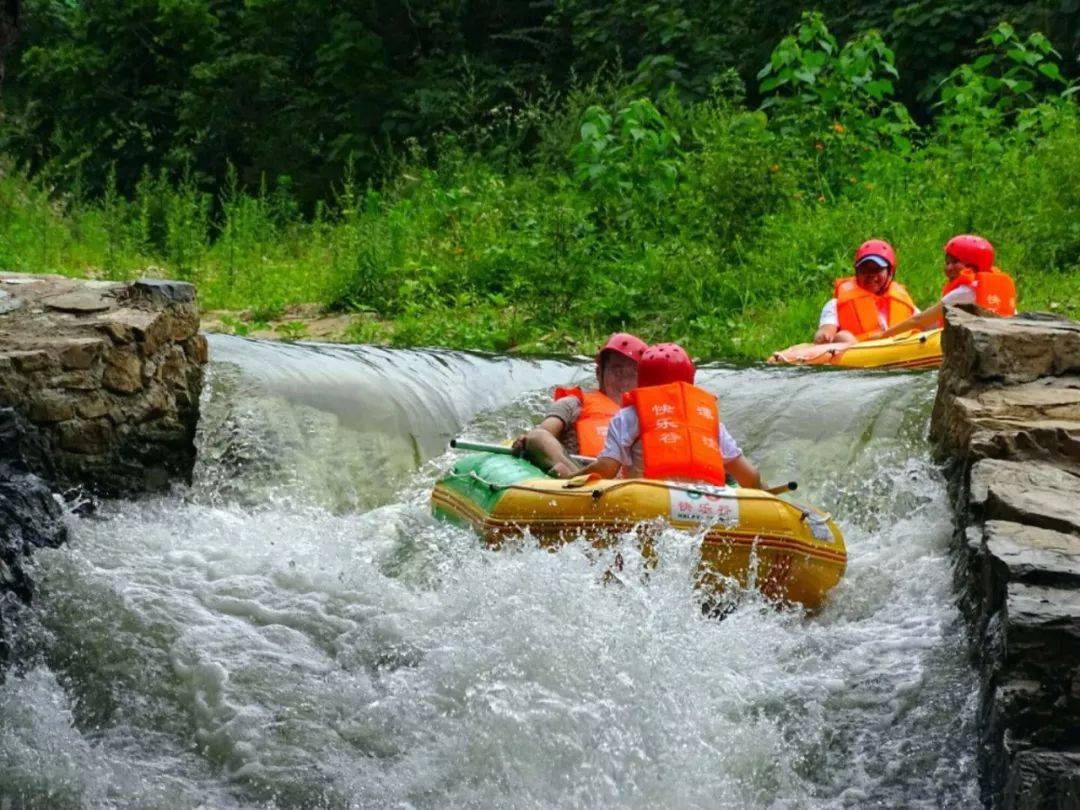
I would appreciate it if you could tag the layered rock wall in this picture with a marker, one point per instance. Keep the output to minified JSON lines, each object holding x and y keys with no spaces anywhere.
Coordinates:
{"x":1007,"y":417}
{"x":99,"y":390}
{"x":109,"y":372}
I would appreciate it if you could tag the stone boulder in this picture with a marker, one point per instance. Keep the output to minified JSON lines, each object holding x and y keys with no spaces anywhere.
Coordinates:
{"x":1040,"y":779}
{"x":1008,"y":350}
{"x":1029,"y":555}
{"x":1009,"y":388}
{"x":1028,"y":492}
{"x":109,"y":372}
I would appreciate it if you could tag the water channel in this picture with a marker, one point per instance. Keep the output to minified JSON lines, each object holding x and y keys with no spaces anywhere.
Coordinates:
{"x":295,"y":631}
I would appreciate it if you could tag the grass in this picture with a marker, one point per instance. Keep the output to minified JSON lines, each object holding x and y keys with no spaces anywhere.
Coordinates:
{"x":734,"y":259}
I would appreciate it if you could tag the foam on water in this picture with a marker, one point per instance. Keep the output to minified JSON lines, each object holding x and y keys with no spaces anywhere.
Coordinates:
{"x":250,"y":643}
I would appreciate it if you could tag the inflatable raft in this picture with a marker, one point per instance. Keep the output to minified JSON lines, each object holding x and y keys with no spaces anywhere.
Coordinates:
{"x":791,"y":553}
{"x":914,"y":350}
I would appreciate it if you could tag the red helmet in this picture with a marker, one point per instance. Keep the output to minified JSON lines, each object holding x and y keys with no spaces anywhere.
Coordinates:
{"x":625,"y":344}
{"x":665,"y":363}
{"x":877,"y":248}
{"x":971,"y":250}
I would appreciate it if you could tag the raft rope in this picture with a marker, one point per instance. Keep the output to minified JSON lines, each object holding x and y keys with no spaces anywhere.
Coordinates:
{"x":596,"y":494}
{"x":918,"y":337}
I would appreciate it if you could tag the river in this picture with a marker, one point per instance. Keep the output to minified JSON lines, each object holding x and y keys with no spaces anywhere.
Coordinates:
{"x":295,"y":631}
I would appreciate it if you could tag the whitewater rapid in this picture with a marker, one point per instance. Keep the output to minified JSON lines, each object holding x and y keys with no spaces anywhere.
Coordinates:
{"x":295,"y":630}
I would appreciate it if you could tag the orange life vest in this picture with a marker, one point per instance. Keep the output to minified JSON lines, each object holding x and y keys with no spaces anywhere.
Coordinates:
{"x":597,"y":409}
{"x":857,"y":309}
{"x":994,"y":290}
{"x":680,"y":432}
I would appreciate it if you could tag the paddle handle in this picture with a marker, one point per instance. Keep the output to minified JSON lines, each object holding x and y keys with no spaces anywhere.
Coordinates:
{"x":501,"y":450}
{"x":790,"y":486}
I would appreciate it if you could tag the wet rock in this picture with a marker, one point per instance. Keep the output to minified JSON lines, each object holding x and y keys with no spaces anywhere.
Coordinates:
{"x":1026,"y":554}
{"x":128,"y":325}
{"x":1031,"y":679}
{"x":9,"y":302}
{"x":79,"y":301}
{"x":197,"y":349}
{"x":1010,"y":350}
{"x":51,"y":406}
{"x":30,"y":517}
{"x":111,"y":373}
{"x":123,"y":371}
{"x":1034,"y":442}
{"x":1033,"y":493}
{"x":1040,"y":779}
{"x":85,"y":436}
{"x":1043,"y":619}
{"x":93,"y":406}
{"x":80,"y":353}
{"x":967,"y":424}
{"x":28,"y":361}
{"x":1049,"y":402}
{"x":88,"y":380}
{"x":22,"y":448}
{"x":159,"y":290}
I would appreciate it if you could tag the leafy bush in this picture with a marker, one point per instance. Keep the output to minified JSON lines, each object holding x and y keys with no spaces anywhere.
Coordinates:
{"x":812,"y":84}
{"x":627,"y":160}
{"x":1013,"y":76}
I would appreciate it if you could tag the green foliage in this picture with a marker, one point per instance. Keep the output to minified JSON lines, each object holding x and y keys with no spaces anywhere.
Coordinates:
{"x":737,"y":174}
{"x":627,"y":159}
{"x":186,"y":212}
{"x":292,"y":330}
{"x":686,"y":44}
{"x":300,"y":88}
{"x":235,"y":325}
{"x":1013,"y":75}
{"x":277,"y":87}
{"x":737,"y":265}
{"x":813,"y":85}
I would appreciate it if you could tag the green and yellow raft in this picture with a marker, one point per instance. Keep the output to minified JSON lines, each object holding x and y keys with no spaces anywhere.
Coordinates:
{"x":791,"y":553}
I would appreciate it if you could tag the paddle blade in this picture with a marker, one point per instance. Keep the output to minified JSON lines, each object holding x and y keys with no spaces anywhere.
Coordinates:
{"x":809,"y":354}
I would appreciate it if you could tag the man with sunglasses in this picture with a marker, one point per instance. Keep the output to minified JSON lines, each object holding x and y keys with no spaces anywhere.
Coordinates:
{"x":868,"y":302}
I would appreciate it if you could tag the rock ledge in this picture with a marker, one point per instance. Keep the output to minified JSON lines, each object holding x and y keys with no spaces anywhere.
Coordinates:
{"x":109,"y":373}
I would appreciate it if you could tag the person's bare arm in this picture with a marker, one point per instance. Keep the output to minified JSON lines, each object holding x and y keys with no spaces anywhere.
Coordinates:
{"x":825,"y":333}
{"x":543,"y":448}
{"x":603,"y":466}
{"x":744,"y":472}
{"x":927,"y":319}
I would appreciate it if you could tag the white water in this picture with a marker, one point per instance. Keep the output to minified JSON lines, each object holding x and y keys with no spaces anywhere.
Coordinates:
{"x":296,"y":631}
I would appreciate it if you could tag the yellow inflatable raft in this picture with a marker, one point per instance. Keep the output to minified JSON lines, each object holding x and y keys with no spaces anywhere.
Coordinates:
{"x":791,"y":553}
{"x":913,"y":350}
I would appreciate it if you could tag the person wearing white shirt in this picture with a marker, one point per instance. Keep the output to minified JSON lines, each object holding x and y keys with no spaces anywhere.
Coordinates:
{"x":693,"y":449}
{"x":870,"y":301}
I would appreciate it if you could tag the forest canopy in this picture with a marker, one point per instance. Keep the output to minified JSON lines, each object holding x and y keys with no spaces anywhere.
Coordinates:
{"x":300,"y":88}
